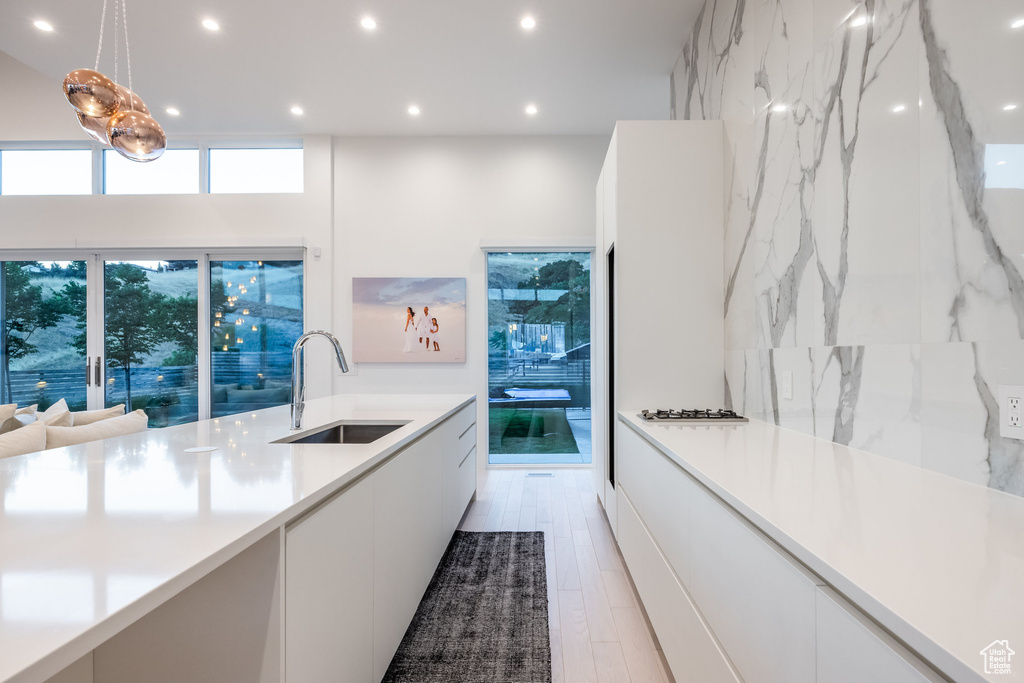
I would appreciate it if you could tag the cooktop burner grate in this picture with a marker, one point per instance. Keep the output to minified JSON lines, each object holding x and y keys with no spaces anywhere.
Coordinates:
{"x":694,"y":415}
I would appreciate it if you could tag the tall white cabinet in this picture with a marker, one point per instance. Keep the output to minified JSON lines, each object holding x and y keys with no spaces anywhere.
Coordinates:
{"x":660,"y":203}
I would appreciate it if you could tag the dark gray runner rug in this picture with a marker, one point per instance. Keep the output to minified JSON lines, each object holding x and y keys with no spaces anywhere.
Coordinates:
{"x":484,"y":617}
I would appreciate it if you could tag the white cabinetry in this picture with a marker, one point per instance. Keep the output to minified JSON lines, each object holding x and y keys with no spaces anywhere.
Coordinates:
{"x":726,"y":602}
{"x":407,"y":540}
{"x":851,"y":649}
{"x":757,"y":601}
{"x":358,"y":565}
{"x":691,"y":650}
{"x":663,"y":209}
{"x":459,"y":465}
{"x":329,"y":588}
{"x":660,"y":204}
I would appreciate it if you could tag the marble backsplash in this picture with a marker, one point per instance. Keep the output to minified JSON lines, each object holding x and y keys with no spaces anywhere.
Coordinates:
{"x":865,"y":257}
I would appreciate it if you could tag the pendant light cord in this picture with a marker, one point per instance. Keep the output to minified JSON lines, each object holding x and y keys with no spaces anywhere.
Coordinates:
{"x":99,"y":48}
{"x":120,"y":18}
{"x":117,"y":39}
{"x":127,"y":50}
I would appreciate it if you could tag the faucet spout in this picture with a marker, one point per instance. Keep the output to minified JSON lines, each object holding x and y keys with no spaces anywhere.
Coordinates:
{"x":298,"y":383}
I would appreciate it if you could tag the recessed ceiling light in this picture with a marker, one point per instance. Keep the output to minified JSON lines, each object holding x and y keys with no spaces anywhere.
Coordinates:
{"x":368,"y":23}
{"x":1000,"y":163}
{"x":173,"y":111}
{"x":1017,"y":24}
{"x":413,"y":110}
{"x":297,"y":111}
{"x":211,"y":25}
{"x":43,"y":25}
{"x":531,"y":110}
{"x":528,"y":23}
{"x":1010,"y":107}
{"x":899,"y":108}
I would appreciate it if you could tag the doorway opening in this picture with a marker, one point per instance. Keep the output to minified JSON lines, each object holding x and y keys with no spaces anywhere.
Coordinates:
{"x":538,"y":370}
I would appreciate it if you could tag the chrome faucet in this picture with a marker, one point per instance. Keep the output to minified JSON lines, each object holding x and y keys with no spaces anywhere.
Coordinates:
{"x":298,"y":385}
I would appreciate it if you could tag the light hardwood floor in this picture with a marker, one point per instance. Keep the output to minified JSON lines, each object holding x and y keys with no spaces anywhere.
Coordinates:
{"x":598,"y":631}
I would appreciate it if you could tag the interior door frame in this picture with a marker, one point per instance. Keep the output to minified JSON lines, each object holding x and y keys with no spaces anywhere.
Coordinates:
{"x":540,"y":245}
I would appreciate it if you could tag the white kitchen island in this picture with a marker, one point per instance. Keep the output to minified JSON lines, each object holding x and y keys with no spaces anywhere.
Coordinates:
{"x":131,"y":559}
{"x":763,"y":554}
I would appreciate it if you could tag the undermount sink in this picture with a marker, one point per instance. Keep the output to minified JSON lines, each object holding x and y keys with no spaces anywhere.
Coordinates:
{"x":365,"y":432}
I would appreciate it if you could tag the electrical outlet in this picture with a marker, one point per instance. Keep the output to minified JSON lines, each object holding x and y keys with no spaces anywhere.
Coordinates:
{"x":787,"y":385}
{"x":1011,"y":412}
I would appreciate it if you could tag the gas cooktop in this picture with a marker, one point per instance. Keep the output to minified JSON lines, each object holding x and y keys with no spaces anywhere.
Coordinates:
{"x":696,"y":415}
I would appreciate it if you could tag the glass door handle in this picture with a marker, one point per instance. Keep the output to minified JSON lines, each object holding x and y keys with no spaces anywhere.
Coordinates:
{"x":98,"y":380}
{"x":88,"y":371}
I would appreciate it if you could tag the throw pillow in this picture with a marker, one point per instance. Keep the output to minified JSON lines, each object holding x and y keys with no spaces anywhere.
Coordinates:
{"x":58,"y":437}
{"x":57,"y":415}
{"x":28,"y":440}
{"x":16,"y":422}
{"x":87,"y":417}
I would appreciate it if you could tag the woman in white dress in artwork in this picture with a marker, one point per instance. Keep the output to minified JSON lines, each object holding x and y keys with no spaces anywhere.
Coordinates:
{"x":435,"y":334}
{"x":410,"y":330}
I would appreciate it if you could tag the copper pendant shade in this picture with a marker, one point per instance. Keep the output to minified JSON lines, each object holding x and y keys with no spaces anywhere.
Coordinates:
{"x":95,"y":126}
{"x":91,"y":93}
{"x":127,"y":100}
{"x":110,"y":113}
{"x":136,"y":136}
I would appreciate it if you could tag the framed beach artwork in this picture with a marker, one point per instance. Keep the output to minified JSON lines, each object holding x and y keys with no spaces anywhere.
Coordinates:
{"x":409,"y":320}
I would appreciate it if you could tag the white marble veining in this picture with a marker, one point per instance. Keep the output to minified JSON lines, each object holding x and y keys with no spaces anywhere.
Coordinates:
{"x":935,"y":560}
{"x":94,"y":536}
{"x":859,"y":231}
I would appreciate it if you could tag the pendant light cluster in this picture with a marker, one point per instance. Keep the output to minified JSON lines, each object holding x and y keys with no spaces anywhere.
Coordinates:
{"x":110,"y":113}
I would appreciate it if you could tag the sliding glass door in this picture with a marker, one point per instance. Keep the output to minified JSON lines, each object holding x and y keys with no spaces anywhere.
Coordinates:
{"x":539,"y":358}
{"x":150,"y":333}
{"x":180,"y":335}
{"x":42,"y":335}
{"x":255,"y":319}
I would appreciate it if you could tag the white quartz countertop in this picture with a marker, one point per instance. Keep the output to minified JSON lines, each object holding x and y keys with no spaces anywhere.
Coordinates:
{"x":94,"y":536}
{"x":937,"y":561}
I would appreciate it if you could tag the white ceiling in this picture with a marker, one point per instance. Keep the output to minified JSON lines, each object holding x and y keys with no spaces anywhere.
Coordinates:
{"x":466,"y":63}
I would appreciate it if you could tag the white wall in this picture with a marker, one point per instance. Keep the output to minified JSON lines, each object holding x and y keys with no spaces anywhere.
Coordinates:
{"x":35,"y":105}
{"x":421,"y":206}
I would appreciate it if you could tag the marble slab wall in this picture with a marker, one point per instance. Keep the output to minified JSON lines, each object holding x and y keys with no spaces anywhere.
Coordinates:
{"x":865,"y":258}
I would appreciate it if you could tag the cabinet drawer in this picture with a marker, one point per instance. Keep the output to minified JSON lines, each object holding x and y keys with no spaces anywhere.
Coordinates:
{"x":851,"y":649}
{"x":758,"y":601}
{"x":467,"y":441}
{"x":461,"y":421}
{"x":467,"y":480}
{"x":692,"y":652}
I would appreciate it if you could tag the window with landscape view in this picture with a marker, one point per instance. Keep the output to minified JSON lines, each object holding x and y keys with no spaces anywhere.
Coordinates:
{"x":539,"y":358}
{"x":255,"y":319}
{"x":42,"y":305}
{"x":151,"y":338}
